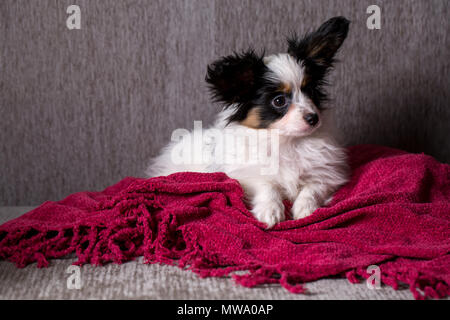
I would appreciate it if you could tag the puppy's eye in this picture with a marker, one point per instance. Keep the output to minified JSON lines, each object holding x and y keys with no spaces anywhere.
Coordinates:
{"x":280,"y":101}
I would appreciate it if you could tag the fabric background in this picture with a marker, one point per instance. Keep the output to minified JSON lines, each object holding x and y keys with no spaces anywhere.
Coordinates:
{"x":81,"y":109}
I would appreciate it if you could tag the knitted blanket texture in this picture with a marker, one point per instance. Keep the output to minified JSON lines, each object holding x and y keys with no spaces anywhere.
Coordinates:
{"x":394,"y":213}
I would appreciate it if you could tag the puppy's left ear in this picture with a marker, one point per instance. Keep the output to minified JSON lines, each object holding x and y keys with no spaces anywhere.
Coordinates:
{"x":236,"y":78}
{"x":320,"y":46}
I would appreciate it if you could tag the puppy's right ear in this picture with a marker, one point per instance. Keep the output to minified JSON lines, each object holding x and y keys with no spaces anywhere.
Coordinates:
{"x":236,"y":78}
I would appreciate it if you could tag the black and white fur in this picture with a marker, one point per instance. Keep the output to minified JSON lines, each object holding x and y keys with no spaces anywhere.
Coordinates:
{"x":284,"y":92}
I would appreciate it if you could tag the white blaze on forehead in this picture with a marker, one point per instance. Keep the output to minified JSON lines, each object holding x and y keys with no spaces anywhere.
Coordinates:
{"x":285,"y":69}
{"x":289,"y":73}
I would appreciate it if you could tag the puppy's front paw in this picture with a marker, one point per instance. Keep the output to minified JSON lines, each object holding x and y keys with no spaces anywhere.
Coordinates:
{"x":304,"y":207}
{"x":269,"y":213}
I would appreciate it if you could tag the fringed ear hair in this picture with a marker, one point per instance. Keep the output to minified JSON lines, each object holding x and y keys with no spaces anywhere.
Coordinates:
{"x":320,"y":46}
{"x":316,"y":52}
{"x":236,"y":78}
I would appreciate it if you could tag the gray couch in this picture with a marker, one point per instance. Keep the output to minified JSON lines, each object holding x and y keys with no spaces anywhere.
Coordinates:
{"x":81,"y":109}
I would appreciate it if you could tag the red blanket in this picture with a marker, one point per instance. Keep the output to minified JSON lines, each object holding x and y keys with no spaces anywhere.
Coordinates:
{"x":394,"y":213}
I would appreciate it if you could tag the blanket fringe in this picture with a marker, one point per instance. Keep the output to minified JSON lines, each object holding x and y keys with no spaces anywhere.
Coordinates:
{"x":421,"y":286}
{"x":158,"y":237}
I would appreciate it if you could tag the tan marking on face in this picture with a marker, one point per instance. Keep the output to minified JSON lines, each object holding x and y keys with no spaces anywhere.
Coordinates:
{"x":304,"y":81}
{"x":252,"y":120}
{"x":286,"y":88}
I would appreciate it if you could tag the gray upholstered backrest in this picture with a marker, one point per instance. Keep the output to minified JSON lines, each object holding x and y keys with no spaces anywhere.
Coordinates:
{"x":81,"y":109}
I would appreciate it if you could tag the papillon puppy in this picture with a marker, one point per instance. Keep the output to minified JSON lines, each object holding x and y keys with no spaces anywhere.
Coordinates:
{"x":283,"y":97}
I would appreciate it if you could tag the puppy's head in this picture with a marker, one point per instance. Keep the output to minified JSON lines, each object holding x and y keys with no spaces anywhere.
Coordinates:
{"x":283,"y":91}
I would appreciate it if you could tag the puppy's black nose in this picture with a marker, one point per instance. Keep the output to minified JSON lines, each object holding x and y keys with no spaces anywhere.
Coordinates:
{"x":312,"y":119}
